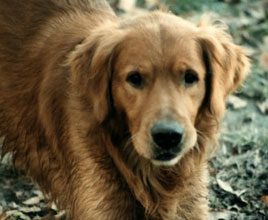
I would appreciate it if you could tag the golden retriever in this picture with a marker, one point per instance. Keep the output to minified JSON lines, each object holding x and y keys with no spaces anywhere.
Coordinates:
{"x":114,"y":118}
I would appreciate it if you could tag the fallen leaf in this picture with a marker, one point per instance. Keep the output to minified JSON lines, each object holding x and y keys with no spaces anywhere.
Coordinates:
{"x":220,"y":215}
{"x":152,"y":3}
{"x":32,"y":201}
{"x":54,"y":206}
{"x":236,"y":103}
{"x":264,"y":60}
{"x":265,"y":41}
{"x":17,"y":214}
{"x":264,"y":55}
{"x":263,"y":106}
{"x":225,"y":186}
{"x":30,"y":209}
{"x":127,"y":5}
{"x":39,"y":194}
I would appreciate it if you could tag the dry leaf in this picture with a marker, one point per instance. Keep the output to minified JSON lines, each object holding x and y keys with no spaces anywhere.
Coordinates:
{"x":264,"y":60}
{"x":263,"y":107}
{"x":219,"y":215}
{"x":152,"y":3}
{"x":30,"y":209}
{"x":236,"y":103}
{"x":39,"y":194}
{"x":17,"y":214}
{"x":32,"y":201}
{"x":264,"y":55}
{"x":128,"y":5}
{"x":225,"y":186}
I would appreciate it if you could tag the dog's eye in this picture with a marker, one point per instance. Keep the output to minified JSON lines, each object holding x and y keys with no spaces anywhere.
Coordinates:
{"x":190,"y":77}
{"x":135,"y":79}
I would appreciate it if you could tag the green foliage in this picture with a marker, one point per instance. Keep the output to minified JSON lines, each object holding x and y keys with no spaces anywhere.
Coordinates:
{"x":140,"y":3}
{"x":186,"y":6}
{"x":256,"y":86}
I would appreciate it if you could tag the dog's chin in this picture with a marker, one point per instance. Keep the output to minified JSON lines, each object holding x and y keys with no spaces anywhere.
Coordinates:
{"x":167,"y":163}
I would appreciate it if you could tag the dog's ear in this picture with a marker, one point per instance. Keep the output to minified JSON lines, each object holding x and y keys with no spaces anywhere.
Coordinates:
{"x":92,"y":65}
{"x":228,"y":61}
{"x":226,"y":65}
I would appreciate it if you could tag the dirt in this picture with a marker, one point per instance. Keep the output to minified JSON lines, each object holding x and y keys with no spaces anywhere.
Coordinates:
{"x":239,"y":170}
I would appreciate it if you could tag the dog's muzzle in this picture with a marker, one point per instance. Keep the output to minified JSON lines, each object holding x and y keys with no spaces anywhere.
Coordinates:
{"x":167,"y":138}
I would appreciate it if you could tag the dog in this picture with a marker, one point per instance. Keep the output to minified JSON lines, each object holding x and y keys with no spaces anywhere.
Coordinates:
{"x":114,"y":118}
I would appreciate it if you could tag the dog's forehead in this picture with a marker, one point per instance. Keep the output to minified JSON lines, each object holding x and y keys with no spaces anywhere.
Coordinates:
{"x":162,"y":40}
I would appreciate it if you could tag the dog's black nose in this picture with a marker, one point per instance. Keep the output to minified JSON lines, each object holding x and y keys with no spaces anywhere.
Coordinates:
{"x":167,"y":135}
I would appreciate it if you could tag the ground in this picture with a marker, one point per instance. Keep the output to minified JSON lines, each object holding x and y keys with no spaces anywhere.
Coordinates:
{"x":239,"y":169}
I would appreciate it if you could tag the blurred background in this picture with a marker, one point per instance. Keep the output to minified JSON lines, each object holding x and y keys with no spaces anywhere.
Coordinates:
{"x":239,"y":171}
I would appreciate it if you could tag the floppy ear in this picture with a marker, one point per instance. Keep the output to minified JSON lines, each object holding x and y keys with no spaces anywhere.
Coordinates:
{"x":226,"y":65}
{"x":91,"y":68}
{"x":228,"y":61}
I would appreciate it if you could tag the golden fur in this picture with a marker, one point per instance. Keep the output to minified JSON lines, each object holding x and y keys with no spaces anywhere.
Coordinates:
{"x":75,"y":125}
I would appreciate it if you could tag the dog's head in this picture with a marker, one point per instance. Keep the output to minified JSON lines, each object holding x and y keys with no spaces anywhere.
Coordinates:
{"x":167,"y":78}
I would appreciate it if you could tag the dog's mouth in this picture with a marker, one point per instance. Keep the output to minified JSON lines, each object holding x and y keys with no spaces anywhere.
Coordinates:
{"x":166,"y":159}
{"x":165,"y":156}
{"x":169,"y":157}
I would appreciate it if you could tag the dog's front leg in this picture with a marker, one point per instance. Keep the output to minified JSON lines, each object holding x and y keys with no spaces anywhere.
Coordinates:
{"x":99,"y":194}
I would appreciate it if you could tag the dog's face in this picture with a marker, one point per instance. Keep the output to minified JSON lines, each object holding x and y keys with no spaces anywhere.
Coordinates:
{"x":159,"y":83}
{"x":165,"y":74}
